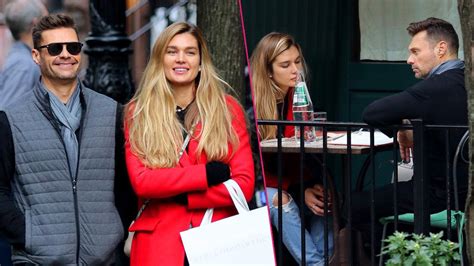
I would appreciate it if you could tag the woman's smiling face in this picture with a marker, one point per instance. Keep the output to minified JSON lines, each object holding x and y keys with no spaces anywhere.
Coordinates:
{"x":181,"y":60}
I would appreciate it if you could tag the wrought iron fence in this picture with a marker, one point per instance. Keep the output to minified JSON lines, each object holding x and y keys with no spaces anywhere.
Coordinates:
{"x":344,"y":251}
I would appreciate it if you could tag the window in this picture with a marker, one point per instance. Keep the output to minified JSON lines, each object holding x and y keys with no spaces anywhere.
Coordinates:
{"x":383,"y":23}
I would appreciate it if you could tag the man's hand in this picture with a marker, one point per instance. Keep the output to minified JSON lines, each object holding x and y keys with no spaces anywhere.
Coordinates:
{"x":405,"y":143}
{"x":314,"y":199}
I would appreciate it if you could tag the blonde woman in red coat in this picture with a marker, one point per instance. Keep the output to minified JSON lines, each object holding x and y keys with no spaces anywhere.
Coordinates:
{"x":180,"y":93}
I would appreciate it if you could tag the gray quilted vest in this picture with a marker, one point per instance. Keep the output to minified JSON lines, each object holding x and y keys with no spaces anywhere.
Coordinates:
{"x":73,"y":223}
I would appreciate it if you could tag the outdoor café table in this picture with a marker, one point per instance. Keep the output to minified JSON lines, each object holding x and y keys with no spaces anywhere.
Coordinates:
{"x":292,"y":145}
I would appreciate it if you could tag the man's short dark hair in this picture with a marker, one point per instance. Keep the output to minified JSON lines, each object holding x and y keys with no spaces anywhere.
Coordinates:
{"x":51,"y":22}
{"x":437,"y":30}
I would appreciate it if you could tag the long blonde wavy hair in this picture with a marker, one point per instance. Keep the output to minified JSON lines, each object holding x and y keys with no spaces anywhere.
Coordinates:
{"x":155,"y":133}
{"x":267,"y":93}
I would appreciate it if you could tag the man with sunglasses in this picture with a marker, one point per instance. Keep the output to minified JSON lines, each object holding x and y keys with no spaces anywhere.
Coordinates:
{"x":58,"y":160}
{"x":19,"y":74}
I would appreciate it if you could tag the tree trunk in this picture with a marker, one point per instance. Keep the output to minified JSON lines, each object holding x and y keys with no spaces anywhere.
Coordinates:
{"x":220,"y":23}
{"x":466,"y":14}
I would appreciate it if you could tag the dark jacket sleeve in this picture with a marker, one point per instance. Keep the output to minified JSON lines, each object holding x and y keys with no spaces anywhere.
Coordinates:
{"x":393,"y":109}
{"x":12,"y":220}
{"x":125,"y":198}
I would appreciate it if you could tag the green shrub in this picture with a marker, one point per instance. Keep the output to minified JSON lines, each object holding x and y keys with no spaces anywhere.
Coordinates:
{"x":404,"y":249}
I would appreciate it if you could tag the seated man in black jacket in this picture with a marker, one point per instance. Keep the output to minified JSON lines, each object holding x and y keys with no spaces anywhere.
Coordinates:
{"x":440,"y":98}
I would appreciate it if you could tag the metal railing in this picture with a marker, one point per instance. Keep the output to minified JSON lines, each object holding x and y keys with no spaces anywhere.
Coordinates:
{"x":421,"y":208}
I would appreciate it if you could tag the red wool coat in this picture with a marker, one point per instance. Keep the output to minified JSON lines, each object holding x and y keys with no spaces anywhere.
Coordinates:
{"x":157,"y":240}
{"x":290,"y":160}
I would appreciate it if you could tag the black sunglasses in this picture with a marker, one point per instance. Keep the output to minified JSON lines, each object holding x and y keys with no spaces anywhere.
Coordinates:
{"x":54,"y":49}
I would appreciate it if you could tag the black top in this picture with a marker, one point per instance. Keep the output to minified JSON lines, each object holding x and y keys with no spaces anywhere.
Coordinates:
{"x":12,"y":220}
{"x":181,"y":113}
{"x":438,"y":100}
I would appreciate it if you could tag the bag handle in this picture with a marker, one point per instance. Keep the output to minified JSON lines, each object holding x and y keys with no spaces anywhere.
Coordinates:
{"x":183,"y":147}
{"x":237,"y":197}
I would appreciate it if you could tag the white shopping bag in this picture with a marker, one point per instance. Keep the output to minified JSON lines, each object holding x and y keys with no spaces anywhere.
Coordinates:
{"x":243,"y":239}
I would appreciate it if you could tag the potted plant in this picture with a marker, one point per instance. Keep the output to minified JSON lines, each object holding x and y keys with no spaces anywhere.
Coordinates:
{"x":404,"y":249}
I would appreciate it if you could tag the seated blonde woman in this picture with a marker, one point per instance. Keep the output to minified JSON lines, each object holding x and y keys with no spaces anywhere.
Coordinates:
{"x":275,"y":64}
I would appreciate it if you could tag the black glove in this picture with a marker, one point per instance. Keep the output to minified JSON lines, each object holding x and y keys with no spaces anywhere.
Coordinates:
{"x":181,"y":199}
{"x":217,"y":173}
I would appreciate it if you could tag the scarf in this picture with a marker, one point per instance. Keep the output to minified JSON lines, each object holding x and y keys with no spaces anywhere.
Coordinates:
{"x":69,"y":117}
{"x":448,"y":65}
